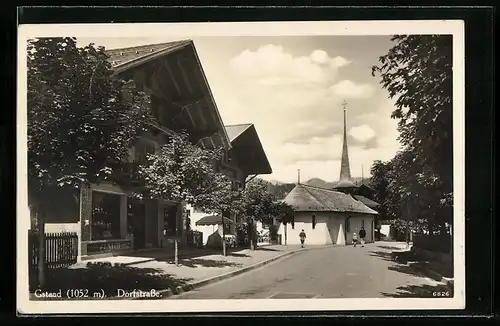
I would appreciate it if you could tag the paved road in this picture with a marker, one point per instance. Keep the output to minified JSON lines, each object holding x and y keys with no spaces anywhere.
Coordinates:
{"x":335,"y":272}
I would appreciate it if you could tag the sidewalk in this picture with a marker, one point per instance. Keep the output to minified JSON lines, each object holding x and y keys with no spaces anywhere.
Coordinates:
{"x":435,"y":270}
{"x":110,"y":278}
{"x":197,"y":268}
{"x":142,"y":256}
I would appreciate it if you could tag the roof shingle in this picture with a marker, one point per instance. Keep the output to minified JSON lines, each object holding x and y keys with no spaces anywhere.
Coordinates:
{"x":367,"y":201}
{"x":313,"y":199}
{"x":123,"y":55}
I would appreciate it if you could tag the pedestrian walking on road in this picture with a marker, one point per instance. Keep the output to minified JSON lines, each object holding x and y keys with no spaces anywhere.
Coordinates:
{"x":302,"y":236}
{"x":362,"y":235}
{"x":354,"y":239}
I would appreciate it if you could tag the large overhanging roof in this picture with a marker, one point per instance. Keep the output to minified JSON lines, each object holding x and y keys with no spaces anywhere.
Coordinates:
{"x":249,"y":150}
{"x":305,"y":198}
{"x":125,"y":60}
{"x":367,"y":201}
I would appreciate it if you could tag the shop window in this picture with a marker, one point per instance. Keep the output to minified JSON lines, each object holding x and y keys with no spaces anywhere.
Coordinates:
{"x":314,"y":221}
{"x":105,"y":216}
{"x":348,"y":225}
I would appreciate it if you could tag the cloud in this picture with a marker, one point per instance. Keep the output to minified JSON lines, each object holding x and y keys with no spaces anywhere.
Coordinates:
{"x":349,"y":89}
{"x":295,"y":104}
{"x":317,"y":149}
{"x":305,"y":131}
{"x":320,"y":56}
{"x":272,"y":65}
{"x":362,"y":133}
{"x":338,"y":62}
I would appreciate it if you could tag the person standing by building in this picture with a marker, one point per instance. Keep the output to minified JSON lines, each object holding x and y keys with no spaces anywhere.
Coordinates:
{"x":362,"y":235}
{"x":354,"y":239}
{"x":302,"y":236}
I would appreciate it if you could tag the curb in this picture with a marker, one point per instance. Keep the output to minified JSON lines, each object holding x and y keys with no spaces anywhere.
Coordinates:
{"x":136,"y":262}
{"x":190,"y":286}
{"x":193,"y":285}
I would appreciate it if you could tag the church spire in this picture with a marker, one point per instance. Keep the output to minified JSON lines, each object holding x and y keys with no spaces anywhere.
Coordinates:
{"x":345,"y":171}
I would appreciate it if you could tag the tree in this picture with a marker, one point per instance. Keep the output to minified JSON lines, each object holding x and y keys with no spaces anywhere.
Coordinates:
{"x":380,"y":181}
{"x":284,"y":214}
{"x":417,"y":71}
{"x":407,"y":193}
{"x":185,"y":172}
{"x":81,"y":120}
{"x":257,"y":204}
{"x":181,"y":171}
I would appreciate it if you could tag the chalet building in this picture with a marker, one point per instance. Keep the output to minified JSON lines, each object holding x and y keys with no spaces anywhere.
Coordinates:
{"x":105,"y":216}
{"x":247,"y":158}
{"x":326,"y":216}
{"x":331,"y":216}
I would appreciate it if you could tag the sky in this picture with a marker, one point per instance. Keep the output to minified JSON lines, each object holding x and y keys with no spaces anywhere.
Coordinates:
{"x":292,"y":88}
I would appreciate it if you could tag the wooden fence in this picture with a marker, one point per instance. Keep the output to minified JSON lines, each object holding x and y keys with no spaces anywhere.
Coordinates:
{"x":436,"y":243}
{"x":61,"y":250}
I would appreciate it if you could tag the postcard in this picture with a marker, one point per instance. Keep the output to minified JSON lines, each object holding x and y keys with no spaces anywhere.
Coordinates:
{"x":250,"y":166}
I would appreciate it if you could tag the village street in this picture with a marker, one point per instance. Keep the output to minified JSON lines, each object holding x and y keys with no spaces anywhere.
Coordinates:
{"x":333,"y":272}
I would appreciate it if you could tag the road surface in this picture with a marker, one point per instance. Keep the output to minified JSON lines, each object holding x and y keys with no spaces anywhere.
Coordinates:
{"x":334,"y":272}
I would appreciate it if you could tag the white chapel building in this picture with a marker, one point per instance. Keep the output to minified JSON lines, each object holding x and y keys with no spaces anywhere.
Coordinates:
{"x":328,"y":216}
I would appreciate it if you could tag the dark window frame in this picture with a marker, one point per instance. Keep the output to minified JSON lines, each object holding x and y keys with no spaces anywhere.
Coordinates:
{"x":105,"y":220}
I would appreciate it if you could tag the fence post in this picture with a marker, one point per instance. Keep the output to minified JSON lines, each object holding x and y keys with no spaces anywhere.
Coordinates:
{"x":176,"y":253}
{"x":41,"y":249}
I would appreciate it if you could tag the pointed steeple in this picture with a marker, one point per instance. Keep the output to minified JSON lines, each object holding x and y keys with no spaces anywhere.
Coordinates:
{"x":345,"y":170}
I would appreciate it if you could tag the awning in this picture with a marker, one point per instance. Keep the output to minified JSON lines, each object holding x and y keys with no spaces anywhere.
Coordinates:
{"x":212,"y":220}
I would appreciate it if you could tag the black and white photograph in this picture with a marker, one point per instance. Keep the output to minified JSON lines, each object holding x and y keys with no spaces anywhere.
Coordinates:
{"x":210,"y":167}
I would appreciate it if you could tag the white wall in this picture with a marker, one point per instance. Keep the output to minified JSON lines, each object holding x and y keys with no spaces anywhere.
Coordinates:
{"x":327,"y":228}
{"x":355,"y":223}
{"x":325,"y":231}
{"x":207,"y":230}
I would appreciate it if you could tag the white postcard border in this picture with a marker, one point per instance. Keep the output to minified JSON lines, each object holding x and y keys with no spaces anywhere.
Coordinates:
{"x":187,"y":30}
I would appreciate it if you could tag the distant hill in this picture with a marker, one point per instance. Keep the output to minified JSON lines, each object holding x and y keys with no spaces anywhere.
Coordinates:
{"x":317,"y":182}
{"x":281,"y":189}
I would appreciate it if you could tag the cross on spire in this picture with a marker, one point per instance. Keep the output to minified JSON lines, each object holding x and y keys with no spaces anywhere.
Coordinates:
{"x":344,"y":104}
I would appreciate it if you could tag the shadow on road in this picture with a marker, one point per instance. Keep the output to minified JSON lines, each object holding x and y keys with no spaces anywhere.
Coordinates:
{"x":422,"y":291}
{"x":399,"y":260}
{"x":167,"y":254}
{"x":195,"y":263}
{"x":382,"y":254}
{"x":103,"y":277}
{"x":405,"y":269}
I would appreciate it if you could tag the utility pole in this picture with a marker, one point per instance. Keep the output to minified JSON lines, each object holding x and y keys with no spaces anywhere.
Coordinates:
{"x":298,"y":176}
